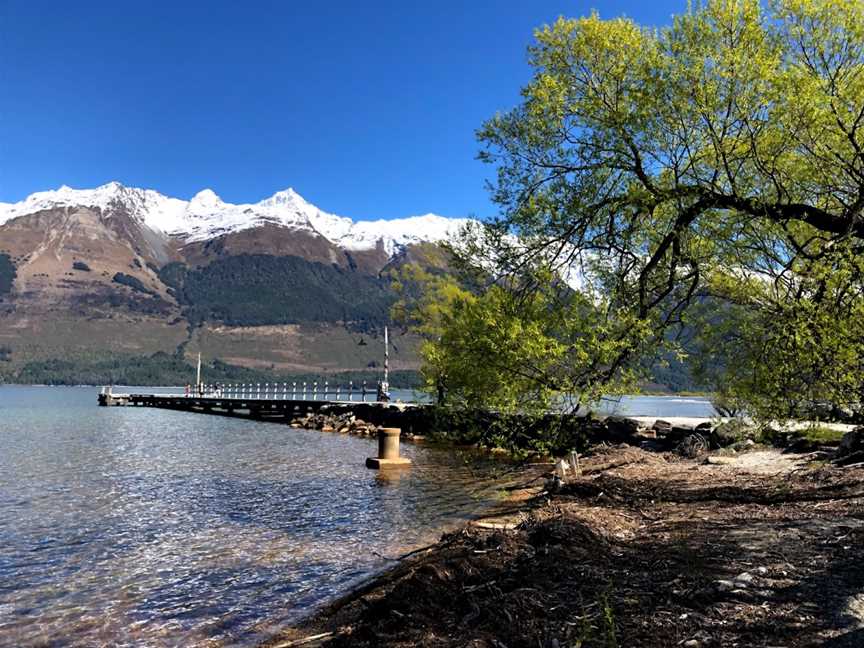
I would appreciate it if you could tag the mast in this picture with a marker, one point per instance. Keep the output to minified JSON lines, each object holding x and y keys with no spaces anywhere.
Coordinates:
{"x":386,"y":359}
{"x":198,"y":382}
{"x":384,"y":385}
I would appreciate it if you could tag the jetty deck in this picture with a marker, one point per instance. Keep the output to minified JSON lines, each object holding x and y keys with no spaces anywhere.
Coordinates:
{"x":208,"y":402}
{"x":269,"y":403}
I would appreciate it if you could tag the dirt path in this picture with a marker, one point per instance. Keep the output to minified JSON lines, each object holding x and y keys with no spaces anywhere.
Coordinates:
{"x":642,"y":549}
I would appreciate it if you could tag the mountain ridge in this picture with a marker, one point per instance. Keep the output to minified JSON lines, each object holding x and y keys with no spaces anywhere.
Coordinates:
{"x":89,"y":276}
{"x":206,"y":216}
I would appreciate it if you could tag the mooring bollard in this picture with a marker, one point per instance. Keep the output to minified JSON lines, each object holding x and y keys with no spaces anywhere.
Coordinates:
{"x":388,"y":450}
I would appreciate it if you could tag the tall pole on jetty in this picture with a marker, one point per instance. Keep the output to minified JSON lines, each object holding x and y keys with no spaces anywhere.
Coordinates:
{"x":384,"y":385}
{"x":198,"y":380}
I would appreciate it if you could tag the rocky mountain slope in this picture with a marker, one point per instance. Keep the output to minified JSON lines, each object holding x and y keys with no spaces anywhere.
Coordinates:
{"x":91,"y":273}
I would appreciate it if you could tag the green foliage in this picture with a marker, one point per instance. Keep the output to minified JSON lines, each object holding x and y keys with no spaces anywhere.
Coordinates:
{"x":709,"y":160}
{"x":795,"y":342}
{"x":822,"y":434}
{"x":609,"y":629}
{"x":7,"y":274}
{"x":80,"y":266}
{"x":251,"y":290}
{"x":517,"y":350}
{"x":520,"y":434}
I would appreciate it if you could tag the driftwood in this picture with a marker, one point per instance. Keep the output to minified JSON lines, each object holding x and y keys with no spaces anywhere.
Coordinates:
{"x":304,"y":641}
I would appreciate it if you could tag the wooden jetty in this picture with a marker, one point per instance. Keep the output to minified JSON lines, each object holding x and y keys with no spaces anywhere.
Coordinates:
{"x":250,"y":397}
{"x":283,"y":402}
{"x":273,"y":401}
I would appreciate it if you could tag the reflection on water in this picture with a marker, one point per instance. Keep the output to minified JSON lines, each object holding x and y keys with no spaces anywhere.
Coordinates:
{"x":140,"y":526}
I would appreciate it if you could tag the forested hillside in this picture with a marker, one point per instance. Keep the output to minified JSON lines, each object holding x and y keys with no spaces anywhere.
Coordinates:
{"x":167,"y":369}
{"x":257,"y":289}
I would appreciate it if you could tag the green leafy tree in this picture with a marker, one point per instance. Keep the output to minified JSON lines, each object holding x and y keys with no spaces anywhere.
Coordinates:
{"x":426,"y":301}
{"x":791,"y":347}
{"x":664,"y":167}
{"x":515,"y":350}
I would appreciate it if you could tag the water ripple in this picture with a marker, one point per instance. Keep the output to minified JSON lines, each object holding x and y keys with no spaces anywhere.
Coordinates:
{"x":138,"y":526}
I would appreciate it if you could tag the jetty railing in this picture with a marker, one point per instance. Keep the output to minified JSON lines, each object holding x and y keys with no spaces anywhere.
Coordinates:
{"x":296,"y":390}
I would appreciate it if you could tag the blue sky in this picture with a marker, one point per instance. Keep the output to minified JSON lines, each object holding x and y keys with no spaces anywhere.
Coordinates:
{"x":368,"y":109}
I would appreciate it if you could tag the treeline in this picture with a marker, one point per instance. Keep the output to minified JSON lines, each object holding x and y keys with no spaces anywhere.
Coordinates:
{"x":7,"y":274}
{"x":166,"y":369}
{"x":258,"y":289}
{"x":132,"y":282}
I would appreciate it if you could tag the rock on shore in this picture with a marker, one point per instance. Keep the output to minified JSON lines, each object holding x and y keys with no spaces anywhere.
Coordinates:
{"x":345,"y":423}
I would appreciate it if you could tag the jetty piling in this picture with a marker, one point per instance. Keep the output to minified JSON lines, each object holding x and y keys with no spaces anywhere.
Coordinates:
{"x":388,"y":450}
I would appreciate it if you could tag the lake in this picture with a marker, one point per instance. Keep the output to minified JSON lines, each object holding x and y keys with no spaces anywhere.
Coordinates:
{"x":660,"y":406}
{"x":138,"y":526}
{"x":143,"y":526}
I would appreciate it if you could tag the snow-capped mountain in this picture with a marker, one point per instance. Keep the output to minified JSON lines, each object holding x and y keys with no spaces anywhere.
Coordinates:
{"x":206,"y":216}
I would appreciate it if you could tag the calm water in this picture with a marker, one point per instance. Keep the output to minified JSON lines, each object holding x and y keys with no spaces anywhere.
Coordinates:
{"x":128,"y":526}
{"x":690,"y":406}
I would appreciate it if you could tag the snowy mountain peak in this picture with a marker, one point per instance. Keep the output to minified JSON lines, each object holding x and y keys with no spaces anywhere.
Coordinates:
{"x":207,"y":216}
{"x":285,"y":197}
{"x":206,"y":198}
{"x":138,"y":201}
